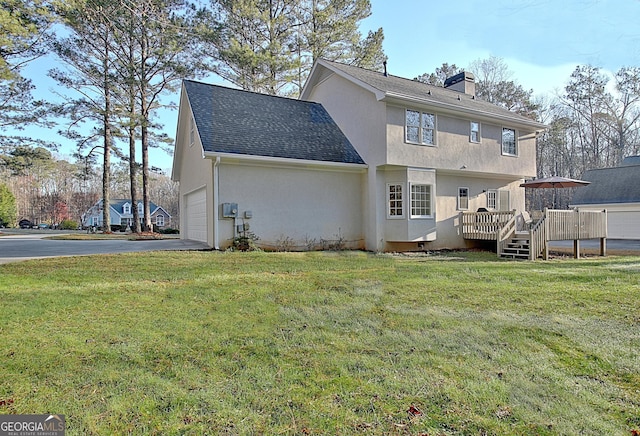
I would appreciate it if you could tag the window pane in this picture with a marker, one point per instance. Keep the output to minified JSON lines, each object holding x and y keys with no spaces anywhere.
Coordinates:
{"x":395,"y":200}
{"x":475,"y":131}
{"x":412,"y":134}
{"x":463,"y":198}
{"x":428,"y":121}
{"x":413,"y":118}
{"x":508,"y":141}
{"x":427,"y":137}
{"x":491,"y":199}
{"x":420,"y":200}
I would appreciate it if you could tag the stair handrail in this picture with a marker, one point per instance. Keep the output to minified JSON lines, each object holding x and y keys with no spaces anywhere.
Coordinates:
{"x":538,"y":237}
{"x":505,"y":233}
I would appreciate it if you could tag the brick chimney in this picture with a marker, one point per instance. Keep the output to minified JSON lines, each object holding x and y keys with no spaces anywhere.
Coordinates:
{"x":463,"y":82}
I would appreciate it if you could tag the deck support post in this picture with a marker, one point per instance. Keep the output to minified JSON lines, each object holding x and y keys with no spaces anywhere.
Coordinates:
{"x":576,"y":249}
{"x":603,"y":247}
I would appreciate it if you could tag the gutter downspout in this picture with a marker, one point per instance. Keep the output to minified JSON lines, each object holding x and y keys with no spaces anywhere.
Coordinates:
{"x":216,"y":196}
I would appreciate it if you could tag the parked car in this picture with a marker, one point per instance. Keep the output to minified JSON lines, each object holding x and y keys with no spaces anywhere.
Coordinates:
{"x":25,"y":224}
{"x":43,"y":226}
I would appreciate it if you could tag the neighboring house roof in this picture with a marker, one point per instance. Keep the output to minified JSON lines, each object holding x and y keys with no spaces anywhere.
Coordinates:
{"x":610,"y":185}
{"x":232,"y":121}
{"x":388,"y":86}
{"x":117,"y":206}
{"x":630,"y":160}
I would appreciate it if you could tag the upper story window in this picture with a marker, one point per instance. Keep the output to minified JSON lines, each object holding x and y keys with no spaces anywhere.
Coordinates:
{"x":160,"y":220}
{"x":126,"y":208}
{"x":463,"y":198}
{"x":420,"y":127}
{"x":395,"y":201}
{"x":420,"y":201}
{"x":509,"y":142}
{"x":474,"y":131}
{"x":140,"y":208}
{"x":192,"y":131}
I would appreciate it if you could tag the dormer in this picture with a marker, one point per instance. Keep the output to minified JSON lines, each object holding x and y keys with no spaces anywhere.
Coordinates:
{"x":126,"y":208}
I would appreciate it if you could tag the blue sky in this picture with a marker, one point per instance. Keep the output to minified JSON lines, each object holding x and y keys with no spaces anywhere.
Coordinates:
{"x":542,"y":41}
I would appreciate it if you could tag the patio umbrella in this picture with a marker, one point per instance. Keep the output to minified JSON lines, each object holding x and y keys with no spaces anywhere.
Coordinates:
{"x":554,"y":182}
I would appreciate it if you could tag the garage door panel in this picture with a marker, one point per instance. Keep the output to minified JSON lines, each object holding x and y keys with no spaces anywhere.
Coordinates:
{"x":196,"y":212}
{"x":623,"y":224}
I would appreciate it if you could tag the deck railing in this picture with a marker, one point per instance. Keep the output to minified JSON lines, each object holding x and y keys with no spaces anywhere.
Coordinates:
{"x":484,"y":225}
{"x":565,"y":225}
{"x":505,"y":233}
{"x":554,"y":225}
{"x":538,"y":239}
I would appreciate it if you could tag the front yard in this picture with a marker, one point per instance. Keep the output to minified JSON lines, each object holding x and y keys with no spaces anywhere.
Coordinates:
{"x":323,"y":343}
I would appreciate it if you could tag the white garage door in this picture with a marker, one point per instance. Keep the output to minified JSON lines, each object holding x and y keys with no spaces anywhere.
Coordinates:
{"x":196,"y":208}
{"x":623,"y":224}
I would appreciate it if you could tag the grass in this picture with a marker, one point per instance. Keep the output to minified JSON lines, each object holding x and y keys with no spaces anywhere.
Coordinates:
{"x":323,"y":343}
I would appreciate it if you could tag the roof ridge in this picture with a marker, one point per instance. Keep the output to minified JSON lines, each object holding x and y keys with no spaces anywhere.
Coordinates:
{"x":613,"y":168}
{"x":410,"y":88}
{"x":262,"y":94}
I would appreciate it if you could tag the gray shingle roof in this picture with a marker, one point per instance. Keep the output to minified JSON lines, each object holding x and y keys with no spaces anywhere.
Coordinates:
{"x":413,"y":89}
{"x":246,"y":123}
{"x":630,"y":160}
{"x":610,"y":185}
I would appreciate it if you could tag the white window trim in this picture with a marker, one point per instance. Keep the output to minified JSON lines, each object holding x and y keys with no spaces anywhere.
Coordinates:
{"x":496,"y":199}
{"x":159,"y":220}
{"x":459,"y":197}
{"x":388,"y":201}
{"x":515,"y":138}
{"x":420,"y":135}
{"x":412,"y":216}
{"x":479,"y":132}
{"x":126,"y":208}
{"x":140,"y":208}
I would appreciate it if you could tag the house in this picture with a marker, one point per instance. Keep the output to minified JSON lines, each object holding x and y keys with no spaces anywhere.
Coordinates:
{"x":279,"y":166}
{"x":364,"y":158}
{"x":120,"y":214}
{"x":616,"y":190}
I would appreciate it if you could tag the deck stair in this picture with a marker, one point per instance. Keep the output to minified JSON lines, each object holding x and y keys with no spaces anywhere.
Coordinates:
{"x":518,"y":247}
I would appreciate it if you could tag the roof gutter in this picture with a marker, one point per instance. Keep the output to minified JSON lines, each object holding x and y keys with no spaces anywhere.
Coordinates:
{"x":269,"y":160}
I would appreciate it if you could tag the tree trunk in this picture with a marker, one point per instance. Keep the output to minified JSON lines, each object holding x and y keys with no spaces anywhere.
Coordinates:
{"x":106,"y":164}
{"x":144,"y":105}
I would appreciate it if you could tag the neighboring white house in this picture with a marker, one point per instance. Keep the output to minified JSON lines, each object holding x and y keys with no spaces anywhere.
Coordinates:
{"x":378,"y":162}
{"x":121,"y":214}
{"x":616,"y":190}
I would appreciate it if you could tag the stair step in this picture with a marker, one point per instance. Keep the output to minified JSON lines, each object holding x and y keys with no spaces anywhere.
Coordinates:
{"x":516,"y":248}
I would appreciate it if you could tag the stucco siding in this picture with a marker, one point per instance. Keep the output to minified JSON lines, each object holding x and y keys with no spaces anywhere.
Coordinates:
{"x":453,"y":149}
{"x":292,"y":206}
{"x":360,"y":116}
{"x":363,"y":120}
{"x":448,"y":221}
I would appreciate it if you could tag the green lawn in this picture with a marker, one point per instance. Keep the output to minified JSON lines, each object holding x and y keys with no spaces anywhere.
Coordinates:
{"x":323,"y":343}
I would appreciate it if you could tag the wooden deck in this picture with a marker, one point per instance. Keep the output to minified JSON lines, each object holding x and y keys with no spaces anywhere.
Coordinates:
{"x":518,"y":238}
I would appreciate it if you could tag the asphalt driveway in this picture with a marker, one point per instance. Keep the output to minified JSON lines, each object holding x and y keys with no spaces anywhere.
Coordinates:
{"x":31,"y":244}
